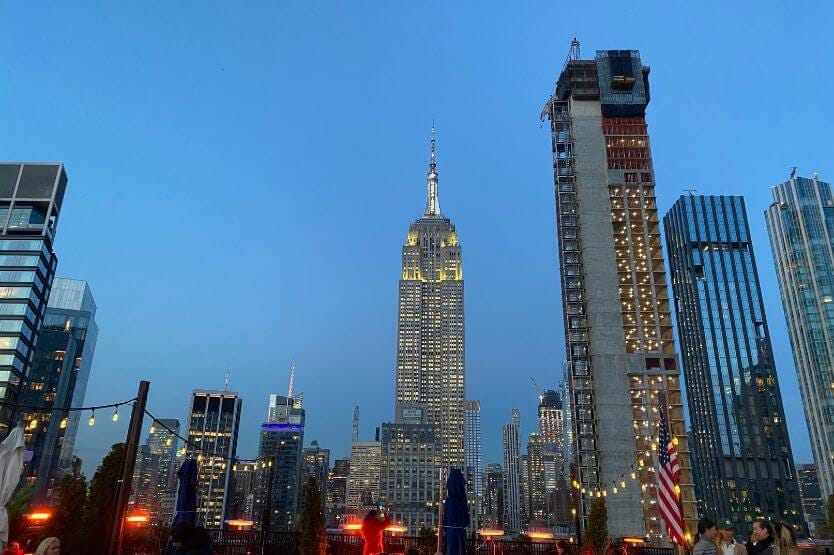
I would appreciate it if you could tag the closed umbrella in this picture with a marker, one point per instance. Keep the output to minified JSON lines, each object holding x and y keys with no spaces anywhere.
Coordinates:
{"x":186,"y":509}
{"x":11,"y":465}
{"x":455,"y":513}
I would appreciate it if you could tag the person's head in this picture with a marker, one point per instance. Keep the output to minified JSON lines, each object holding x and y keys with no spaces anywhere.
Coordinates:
{"x":785,"y":535}
{"x":561,"y":546}
{"x":181,"y":534}
{"x":726,"y":528}
{"x":706,"y":527}
{"x":13,"y":549}
{"x":370,"y":516}
{"x":49,"y":546}
{"x":762,"y":530}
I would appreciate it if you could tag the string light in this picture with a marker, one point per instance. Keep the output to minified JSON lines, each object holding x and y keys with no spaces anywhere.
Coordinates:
{"x":64,"y":423}
{"x":92,"y":419}
{"x":33,"y":423}
{"x":116,"y":415}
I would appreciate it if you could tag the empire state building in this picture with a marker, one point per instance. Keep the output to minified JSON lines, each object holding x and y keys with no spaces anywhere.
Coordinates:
{"x":430,"y":332}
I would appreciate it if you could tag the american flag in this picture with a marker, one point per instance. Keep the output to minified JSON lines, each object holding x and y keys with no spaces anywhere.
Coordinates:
{"x":667,"y":476}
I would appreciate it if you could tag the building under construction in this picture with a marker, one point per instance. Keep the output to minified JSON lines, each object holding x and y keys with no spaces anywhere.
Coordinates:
{"x":622,"y":362}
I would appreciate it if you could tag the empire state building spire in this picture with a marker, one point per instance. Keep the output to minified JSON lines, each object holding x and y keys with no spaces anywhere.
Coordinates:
{"x":432,"y":201}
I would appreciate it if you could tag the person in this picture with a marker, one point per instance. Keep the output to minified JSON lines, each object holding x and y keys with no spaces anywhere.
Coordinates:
{"x":189,"y":540}
{"x":707,"y":534}
{"x":726,"y":541}
{"x":561,"y":547}
{"x":761,"y":540}
{"x":372,"y":529}
{"x":49,"y":546}
{"x":13,"y":549}
{"x":784,"y":541}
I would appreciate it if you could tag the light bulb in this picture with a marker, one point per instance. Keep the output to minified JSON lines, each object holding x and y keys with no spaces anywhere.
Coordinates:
{"x":116,"y":416}
{"x":153,"y":429}
{"x":168,"y":441}
{"x":64,"y":423}
{"x":614,"y":489}
{"x":622,"y":484}
{"x":33,"y":423}
{"x":92,"y":419}
{"x":633,"y":475}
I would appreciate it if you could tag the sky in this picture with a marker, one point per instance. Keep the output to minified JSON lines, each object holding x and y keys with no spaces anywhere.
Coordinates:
{"x":242,"y":178}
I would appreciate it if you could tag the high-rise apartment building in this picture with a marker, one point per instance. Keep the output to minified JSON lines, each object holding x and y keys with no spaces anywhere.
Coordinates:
{"x":58,"y":380}
{"x":315,"y":462}
{"x":337,"y":484}
{"x":363,"y":481}
{"x":813,"y":505}
{"x":735,"y":404}
{"x":31,"y":195}
{"x":800,"y":223}
{"x":143,"y":495}
{"x":245,"y":479}
{"x":409,"y":484}
{"x":537,"y":500}
{"x":493,"y":505}
{"x":212,"y":436}
{"x":164,"y":444}
{"x":430,"y":331}
{"x":154,"y":471}
{"x":281,"y":442}
{"x":474,"y":469}
{"x":552,"y":434}
{"x":512,"y":474}
{"x":617,"y":318}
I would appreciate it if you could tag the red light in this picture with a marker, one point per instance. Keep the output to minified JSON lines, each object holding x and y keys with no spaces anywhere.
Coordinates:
{"x":540,"y":535}
{"x":137,"y":518}
{"x":635,"y":541}
{"x":352,"y":526}
{"x":39,"y":516}
{"x":239,"y":523}
{"x":396,"y":529}
{"x":491,"y":532}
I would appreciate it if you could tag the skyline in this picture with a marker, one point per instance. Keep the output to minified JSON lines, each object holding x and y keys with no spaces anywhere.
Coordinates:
{"x":180,"y":328}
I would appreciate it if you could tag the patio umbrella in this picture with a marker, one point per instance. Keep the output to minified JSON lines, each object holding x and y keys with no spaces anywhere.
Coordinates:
{"x":11,"y":465}
{"x":455,"y":513}
{"x":186,"y":510}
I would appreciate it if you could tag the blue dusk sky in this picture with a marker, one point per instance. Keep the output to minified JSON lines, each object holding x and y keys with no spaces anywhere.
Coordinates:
{"x":242,"y":178}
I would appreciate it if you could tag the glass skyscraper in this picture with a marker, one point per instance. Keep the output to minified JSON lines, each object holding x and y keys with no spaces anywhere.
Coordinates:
{"x":742,"y":450}
{"x":58,"y":380}
{"x":801,"y":226}
{"x":31,"y":196}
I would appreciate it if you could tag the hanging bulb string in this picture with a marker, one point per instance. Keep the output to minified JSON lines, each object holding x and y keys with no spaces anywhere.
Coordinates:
{"x":67,"y":409}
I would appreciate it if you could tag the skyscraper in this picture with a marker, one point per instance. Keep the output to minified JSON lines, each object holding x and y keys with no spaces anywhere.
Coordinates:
{"x":245,"y":475}
{"x":143,"y":495}
{"x":337,"y":484}
{"x":735,"y":404}
{"x":474,"y":471}
{"x":813,"y":505}
{"x":617,"y":319}
{"x":212,"y":436}
{"x":315,"y":462}
{"x":512,"y":474}
{"x":281,"y":442}
{"x":493,"y":505}
{"x":31,"y":195}
{"x":537,"y":501}
{"x":154,"y":472}
{"x":363,"y":481}
{"x":552,"y":435}
{"x":58,"y":380}
{"x":164,"y":444}
{"x":430,"y":332}
{"x":800,"y":223}
{"x":409,"y":474}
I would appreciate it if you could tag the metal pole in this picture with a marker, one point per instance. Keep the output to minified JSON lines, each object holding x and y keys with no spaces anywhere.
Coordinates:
{"x":134,"y":430}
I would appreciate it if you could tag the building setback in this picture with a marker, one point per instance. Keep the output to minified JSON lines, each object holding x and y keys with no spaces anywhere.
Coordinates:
{"x":800,"y":223}
{"x":617,"y":319}
{"x":735,"y":404}
{"x":430,"y":330}
{"x":58,"y":380}
{"x":212,"y":436}
{"x":31,"y":195}
{"x":512,"y":474}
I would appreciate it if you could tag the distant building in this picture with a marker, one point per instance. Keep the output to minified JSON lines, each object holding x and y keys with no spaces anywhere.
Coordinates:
{"x":735,"y":403}
{"x":537,"y":500}
{"x":337,"y":484}
{"x":409,"y":476}
{"x":801,"y":231}
{"x":493,"y":507}
{"x":281,"y":442}
{"x":552,"y":422}
{"x":512,"y":474}
{"x":363,"y":482}
{"x":474,"y":470}
{"x":163,"y":444}
{"x":813,"y":505}
{"x":212,"y":436}
{"x":245,"y":476}
{"x":315,"y":462}
{"x":31,"y":195}
{"x":57,"y":380}
{"x":143,"y":494}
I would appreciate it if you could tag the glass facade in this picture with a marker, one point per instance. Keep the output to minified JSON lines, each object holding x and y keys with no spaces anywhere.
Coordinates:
{"x":742,"y":450}
{"x":212,"y":434}
{"x":800,"y":223}
{"x":31,"y":196}
{"x":57,"y":380}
